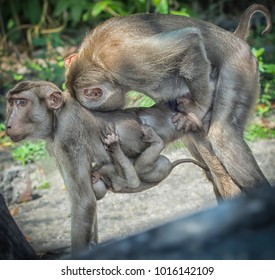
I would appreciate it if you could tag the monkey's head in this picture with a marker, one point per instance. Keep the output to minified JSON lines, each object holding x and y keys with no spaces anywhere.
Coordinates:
{"x":93,"y":86}
{"x":30,"y":110}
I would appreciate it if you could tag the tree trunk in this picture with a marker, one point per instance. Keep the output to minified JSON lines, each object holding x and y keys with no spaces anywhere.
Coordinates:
{"x":13,"y":244}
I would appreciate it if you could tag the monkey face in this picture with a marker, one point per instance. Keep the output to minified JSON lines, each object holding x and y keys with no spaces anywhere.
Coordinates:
{"x":17,"y":126}
{"x":29,"y":110}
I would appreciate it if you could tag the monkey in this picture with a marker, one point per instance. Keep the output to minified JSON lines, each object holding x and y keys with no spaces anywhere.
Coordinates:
{"x":170,"y":57}
{"x":150,"y":167}
{"x":76,"y":137}
{"x":159,"y":55}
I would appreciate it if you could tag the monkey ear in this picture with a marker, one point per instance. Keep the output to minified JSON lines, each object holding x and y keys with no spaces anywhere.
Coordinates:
{"x":68,"y":60}
{"x":93,"y":93}
{"x":54,"y":100}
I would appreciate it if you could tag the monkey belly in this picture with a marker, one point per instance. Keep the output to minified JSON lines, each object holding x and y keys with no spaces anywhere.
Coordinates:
{"x":169,"y":88}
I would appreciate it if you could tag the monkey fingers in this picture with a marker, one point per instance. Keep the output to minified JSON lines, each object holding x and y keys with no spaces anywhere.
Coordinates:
{"x":189,"y":122}
{"x":110,"y":140}
{"x":95,"y":177}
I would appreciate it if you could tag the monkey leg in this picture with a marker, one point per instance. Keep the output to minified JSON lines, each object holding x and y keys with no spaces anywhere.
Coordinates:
{"x":147,"y":161}
{"x":195,"y":68}
{"x":226,"y":186}
{"x":236,"y":157}
{"x":94,"y":235}
{"x":236,"y":95}
{"x":83,"y":206}
{"x":188,"y":142}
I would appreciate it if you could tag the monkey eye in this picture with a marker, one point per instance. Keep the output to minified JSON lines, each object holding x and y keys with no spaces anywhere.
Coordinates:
{"x":21,"y":102}
{"x":11,"y":102}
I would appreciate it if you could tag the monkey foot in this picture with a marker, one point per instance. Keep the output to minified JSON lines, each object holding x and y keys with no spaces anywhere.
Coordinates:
{"x":189,"y":122}
{"x":149,"y":134}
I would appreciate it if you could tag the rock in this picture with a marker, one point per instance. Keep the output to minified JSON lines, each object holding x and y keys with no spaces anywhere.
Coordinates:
{"x":241,"y":228}
{"x":18,"y":182}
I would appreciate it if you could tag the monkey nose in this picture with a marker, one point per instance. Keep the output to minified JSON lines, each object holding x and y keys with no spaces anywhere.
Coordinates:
{"x":8,"y":126}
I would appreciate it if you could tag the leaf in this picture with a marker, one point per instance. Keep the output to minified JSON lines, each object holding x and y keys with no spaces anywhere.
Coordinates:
{"x":182,"y":12}
{"x":62,"y":6}
{"x":32,"y":10}
{"x":269,"y":68}
{"x":17,"y":77}
{"x":44,"y":186}
{"x":76,"y":13}
{"x":161,"y":6}
{"x":11,"y":24}
{"x":258,"y":52}
{"x":99,"y":7}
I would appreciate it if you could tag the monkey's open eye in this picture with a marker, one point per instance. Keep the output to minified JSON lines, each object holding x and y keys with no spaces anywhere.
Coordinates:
{"x":21,"y":102}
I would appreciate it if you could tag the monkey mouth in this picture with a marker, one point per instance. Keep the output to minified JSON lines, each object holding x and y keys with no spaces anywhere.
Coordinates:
{"x":16,"y":138}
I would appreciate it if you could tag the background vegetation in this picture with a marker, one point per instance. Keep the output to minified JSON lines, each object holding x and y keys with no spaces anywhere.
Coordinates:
{"x":37,"y":34}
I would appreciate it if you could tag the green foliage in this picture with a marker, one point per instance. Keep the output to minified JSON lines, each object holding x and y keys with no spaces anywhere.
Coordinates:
{"x":48,"y":70}
{"x":4,"y":139}
{"x":44,"y":186}
{"x":40,"y":23}
{"x":137,"y":99}
{"x":255,"y":132}
{"x":267,"y":71}
{"x":2,"y":127}
{"x":162,"y":6}
{"x":41,"y":68}
{"x":29,"y":152}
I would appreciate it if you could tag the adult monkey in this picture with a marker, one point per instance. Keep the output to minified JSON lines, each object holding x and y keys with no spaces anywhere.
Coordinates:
{"x":170,"y":57}
{"x":39,"y":110}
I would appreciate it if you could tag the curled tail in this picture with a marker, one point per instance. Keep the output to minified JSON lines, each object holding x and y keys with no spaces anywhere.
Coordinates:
{"x":244,"y":24}
{"x":189,"y":160}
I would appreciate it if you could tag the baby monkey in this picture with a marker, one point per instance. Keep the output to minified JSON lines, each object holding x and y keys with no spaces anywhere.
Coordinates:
{"x":148,"y":170}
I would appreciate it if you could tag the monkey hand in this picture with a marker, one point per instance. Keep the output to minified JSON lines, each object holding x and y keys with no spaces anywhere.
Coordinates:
{"x":149,"y":134}
{"x":110,"y":140}
{"x":95,"y":177}
{"x":189,"y":122}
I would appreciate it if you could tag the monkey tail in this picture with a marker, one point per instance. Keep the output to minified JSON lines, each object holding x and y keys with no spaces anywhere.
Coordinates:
{"x":244,"y":24}
{"x":189,"y":160}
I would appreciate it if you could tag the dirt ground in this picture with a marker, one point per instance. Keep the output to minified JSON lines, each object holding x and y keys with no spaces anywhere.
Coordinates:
{"x":45,"y":221}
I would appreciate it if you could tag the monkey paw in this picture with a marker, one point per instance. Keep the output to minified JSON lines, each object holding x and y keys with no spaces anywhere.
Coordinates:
{"x":110,"y":139}
{"x":95,"y":177}
{"x":149,"y":134}
{"x":189,"y":122}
